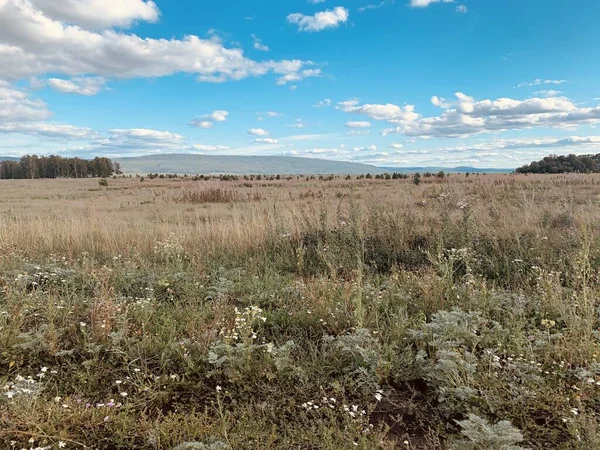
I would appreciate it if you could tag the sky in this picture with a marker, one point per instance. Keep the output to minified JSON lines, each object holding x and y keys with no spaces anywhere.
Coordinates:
{"x":401,"y":83}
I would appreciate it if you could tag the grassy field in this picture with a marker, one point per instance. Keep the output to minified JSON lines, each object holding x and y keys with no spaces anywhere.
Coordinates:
{"x":301,"y":314}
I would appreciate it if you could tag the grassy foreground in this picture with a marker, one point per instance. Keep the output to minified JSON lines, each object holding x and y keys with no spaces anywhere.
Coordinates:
{"x":300,"y":314}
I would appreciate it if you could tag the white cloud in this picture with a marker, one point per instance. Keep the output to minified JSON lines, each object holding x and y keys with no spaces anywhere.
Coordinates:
{"x":218,"y":116}
{"x":203,"y":124}
{"x":548,"y":93}
{"x":266,"y":141}
{"x":316,"y":2}
{"x":390,"y":112}
{"x":539,"y":82}
{"x":273,"y":114}
{"x":147,"y":135}
{"x":358,"y":124}
{"x":322,"y":103}
{"x":466,"y":116}
{"x":297,"y":76}
{"x":258,"y":44}
{"x":132,"y":142}
{"x":358,"y":132}
{"x":321,"y":20}
{"x":79,"y":85}
{"x":298,"y":124}
{"x":370,"y":148}
{"x":258,"y":132}
{"x":99,"y":14}
{"x":209,"y":148}
{"x":33,"y":44}
{"x":208,"y":120}
{"x":16,"y":105}
{"x":48,"y":130}
{"x":372,"y":6}
{"x":426,"y":3}
{"x":396,"y":146}
{"x":462,"y":9}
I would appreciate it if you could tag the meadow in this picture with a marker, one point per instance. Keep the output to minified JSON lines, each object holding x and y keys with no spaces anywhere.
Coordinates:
{"x":458,"y":313}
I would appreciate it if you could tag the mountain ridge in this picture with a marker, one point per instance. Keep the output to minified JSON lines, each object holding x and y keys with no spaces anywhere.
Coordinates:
{"x":191,"y":164}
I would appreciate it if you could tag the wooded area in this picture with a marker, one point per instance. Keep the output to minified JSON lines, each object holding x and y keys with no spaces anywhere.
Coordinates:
{"x":564,"y":164}
{"x":33,"y":166}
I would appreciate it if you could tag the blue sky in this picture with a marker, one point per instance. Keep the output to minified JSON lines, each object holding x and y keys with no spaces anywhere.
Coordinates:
{"x":397,"y":83}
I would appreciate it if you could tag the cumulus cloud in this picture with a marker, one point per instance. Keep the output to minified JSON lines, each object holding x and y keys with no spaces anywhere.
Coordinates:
{"x":297,"y":76}
{"x":321,"y":20}
{"x":258,"y":132}
{"x":548,"y":93}
{"x":461,"y":9}
{"x":266,"y":141}
{"x":79,"y":85}
{"x":358,"y":124}
{"x":99,"y":14}
{"x":34,"y":43}
{"x":17,"y":105}
{"x":258,"y":44}
{"x":389,"y":112}
{"x":466,"y":116}
{"x":208,"y":120}
{"x":134,"y":141}
{"x":396,"y":146}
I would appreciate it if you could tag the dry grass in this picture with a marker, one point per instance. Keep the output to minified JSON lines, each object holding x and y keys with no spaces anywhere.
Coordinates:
{"x":221,"y":308}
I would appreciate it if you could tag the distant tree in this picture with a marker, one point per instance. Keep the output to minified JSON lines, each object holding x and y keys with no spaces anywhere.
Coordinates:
{"x":33,"y":166}
{"x":564,"y":164}
{"x":417,"y":179}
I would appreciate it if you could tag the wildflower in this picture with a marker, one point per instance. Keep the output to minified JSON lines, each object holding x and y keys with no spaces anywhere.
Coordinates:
{"x":378,"y":396}
{"x":123,"y":394}
{"x":219,"y":388}
{"x":62,"y":444}
{"x":82,"y":324}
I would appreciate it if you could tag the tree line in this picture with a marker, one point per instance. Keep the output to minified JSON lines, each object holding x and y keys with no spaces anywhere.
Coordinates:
{"x":33,"y":166}
{"x":564,"y":164}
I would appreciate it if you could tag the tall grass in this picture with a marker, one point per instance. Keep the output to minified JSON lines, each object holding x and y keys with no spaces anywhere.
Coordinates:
{"x":330,"y":314}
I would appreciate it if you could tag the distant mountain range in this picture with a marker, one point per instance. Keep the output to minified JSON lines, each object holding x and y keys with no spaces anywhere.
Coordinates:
{"x":239,"y":165}
{"x":460,"y":169}
{"x":266,"y":165}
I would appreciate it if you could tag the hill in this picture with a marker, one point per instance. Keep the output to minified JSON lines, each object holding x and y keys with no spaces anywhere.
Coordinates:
{"x":9,"y":158}
{"x":235,"y":165}
{"x":461,"y":169}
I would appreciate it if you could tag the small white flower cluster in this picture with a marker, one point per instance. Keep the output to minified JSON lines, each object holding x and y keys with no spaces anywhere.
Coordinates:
{"x":353,"y":411}
{"x":26,"y":386}
{"x":170,"y":249}
{"x":243,"y":328}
